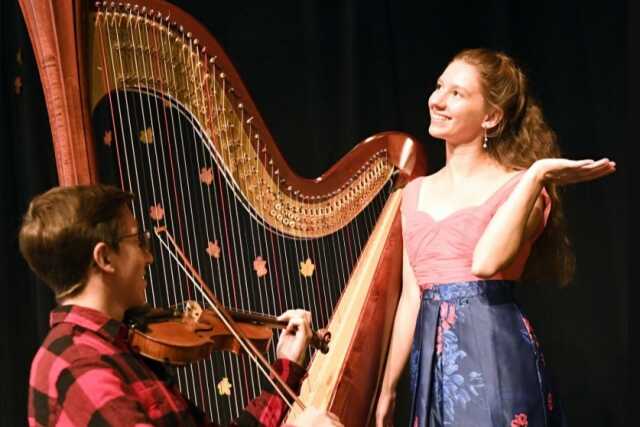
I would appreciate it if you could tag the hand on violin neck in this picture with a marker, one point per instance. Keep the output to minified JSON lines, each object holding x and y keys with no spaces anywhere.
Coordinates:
{"x":295,"y":338}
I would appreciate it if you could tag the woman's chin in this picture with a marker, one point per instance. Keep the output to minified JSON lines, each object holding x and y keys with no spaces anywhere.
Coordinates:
{"x":437,"y":132}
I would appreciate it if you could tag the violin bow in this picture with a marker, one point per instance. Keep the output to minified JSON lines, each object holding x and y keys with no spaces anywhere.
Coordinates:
{"x":255,"y":355}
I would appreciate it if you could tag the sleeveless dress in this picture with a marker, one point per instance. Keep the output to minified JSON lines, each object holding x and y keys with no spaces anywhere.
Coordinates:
{"x":475,"y":359}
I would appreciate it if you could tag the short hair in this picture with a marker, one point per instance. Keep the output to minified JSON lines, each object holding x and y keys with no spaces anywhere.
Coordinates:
{"x":62,"y":227}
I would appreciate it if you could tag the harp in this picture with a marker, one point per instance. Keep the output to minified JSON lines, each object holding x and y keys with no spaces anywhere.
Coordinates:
{"x":141,"y":95}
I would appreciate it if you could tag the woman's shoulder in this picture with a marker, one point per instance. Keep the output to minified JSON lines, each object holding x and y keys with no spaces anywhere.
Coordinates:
{"x":413,"y":185}
{"x":418,"y":184}
{"x":410,"y":193}
{"x":430,"y":180}
{"x":414,"y":189}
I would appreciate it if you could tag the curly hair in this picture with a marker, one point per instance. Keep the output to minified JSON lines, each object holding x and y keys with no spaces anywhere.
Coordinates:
{"x":519,"y":139}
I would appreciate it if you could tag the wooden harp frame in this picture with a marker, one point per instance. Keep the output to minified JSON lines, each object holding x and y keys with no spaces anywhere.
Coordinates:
{"x":58,"y":34}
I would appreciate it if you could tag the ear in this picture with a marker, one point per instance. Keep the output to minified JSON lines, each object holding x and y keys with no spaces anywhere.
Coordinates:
{"x":103,"y":256}
{"x":492,"y":118}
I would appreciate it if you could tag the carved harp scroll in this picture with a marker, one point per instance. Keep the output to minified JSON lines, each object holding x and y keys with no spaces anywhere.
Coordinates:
{"x":181,"y":131}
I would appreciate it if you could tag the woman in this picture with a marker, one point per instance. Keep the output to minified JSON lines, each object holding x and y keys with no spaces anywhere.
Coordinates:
{"x":468,"y":232}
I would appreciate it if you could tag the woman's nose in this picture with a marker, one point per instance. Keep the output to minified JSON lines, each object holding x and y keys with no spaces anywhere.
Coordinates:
{"x":436,"y":101}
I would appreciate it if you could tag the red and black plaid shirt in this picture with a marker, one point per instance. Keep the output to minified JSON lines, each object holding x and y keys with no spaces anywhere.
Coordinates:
{"x":85,"y":374}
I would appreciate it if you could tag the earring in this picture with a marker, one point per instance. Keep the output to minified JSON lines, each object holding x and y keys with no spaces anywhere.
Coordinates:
{"x":484,"y":145}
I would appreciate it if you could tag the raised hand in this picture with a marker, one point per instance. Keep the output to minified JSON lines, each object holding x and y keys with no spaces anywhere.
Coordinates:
{"x":564,"y":171}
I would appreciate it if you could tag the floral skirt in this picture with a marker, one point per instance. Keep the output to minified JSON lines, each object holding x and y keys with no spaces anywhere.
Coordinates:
{"x":475,"y":361}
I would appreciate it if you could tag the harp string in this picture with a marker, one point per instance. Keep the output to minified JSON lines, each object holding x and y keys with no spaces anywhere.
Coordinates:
{"x":231,"y":224}
{"x":205,"y":387}
{"x":227,"y":256}
{"x":175,"y":294}
{"x":247,"y":345}
{"x":143,"y":93}
{"x":105,"y":80}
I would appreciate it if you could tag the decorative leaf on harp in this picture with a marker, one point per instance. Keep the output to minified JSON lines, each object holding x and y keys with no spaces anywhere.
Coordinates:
{"x":146,"y":136}
{"x":206,"y":175}
{"x":213,"y":249}
{"x":19,"y":56}
{"x":17,"y":83}
{"x":145,"y":66}
{"x":156,"y":212}
{"x":307,"y":268}
{"x":224,"y":387}
{"x":107,"y":138}
{"x":260,"y":266}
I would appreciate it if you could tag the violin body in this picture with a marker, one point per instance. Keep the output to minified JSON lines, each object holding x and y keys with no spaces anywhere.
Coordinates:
{"x":181,"y":338}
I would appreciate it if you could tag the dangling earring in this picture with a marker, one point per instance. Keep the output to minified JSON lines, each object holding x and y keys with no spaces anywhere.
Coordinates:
{"x":484,"y":145}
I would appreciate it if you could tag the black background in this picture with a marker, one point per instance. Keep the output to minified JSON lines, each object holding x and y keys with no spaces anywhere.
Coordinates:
{"x":327,"y":74}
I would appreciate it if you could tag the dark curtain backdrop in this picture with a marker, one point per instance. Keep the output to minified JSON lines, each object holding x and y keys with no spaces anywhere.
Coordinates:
{"x":326,"y":75}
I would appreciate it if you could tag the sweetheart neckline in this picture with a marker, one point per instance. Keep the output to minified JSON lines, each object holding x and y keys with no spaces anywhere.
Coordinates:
{"x":466,"y":208}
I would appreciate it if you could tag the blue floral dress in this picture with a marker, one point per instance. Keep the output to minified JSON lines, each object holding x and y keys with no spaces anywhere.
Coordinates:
{"x":475,"y":359}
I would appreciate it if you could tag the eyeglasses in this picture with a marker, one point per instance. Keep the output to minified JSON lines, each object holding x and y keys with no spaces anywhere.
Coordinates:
{"x":144,"y":238}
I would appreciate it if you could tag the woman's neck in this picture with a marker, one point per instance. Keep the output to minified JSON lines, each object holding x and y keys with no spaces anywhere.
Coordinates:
{"x":465,"y":161}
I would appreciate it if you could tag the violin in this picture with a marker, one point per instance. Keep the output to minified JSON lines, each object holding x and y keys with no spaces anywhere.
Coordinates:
{"x":187,"y":333}
{"x":194,"y":322}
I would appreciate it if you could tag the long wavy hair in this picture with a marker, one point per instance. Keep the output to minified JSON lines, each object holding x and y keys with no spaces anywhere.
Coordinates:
{"x":520,"y":138}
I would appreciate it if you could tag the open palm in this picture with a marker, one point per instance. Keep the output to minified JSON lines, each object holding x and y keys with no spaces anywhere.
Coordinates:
{"x":565,"y":171}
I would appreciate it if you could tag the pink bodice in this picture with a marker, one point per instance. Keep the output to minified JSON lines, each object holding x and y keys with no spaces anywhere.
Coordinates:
{"x":442,"y":251}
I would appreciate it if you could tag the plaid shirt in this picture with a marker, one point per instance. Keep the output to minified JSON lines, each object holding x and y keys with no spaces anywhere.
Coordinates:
{"x":86,"y":374}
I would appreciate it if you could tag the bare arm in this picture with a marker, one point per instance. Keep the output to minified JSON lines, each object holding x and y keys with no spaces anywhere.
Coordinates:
{"x":520,"y":216}
{"x":401,"y":341}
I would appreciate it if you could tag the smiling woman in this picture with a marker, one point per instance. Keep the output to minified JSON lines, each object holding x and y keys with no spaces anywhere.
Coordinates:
{"x":457,"y":106}
{"x":468,"y":231}
{"x":327,"y":74}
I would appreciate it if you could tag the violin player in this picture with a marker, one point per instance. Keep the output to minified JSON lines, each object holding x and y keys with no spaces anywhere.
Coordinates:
{"x":84,"y":243}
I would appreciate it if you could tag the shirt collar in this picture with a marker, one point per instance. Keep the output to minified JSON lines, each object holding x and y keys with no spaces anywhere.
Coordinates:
{"x":90,"y":319}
